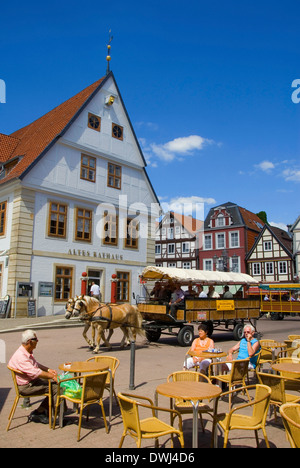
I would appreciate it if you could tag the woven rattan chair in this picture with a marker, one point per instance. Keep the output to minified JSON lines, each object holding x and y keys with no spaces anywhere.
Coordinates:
{"x":266,"y":354}
{"x":149,"y":428}
{"x":113,"y":364}
{"x":290,"y":413}
{"x":93,"y":386}
{"x":237,"y":375}
{"x":277,"y":385}
{"x":19,"y":395}
{"x":240,"y":421}
{"x":186,"y":407}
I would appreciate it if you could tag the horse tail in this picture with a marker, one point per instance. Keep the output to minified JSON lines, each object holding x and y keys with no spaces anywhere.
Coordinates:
{"x":138,"y":322}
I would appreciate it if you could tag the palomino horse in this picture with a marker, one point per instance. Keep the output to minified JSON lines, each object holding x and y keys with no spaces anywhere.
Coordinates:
{"x":107,"y":317}
{"x":88,"y":324}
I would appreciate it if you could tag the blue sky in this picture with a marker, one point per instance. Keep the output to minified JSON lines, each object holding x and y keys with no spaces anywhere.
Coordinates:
{"x":207,"y":85}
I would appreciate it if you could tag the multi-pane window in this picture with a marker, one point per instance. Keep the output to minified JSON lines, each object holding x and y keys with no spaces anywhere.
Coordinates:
{"x":235,"y":264}
{"x":110,"y":235}
{"x":220,"y":241}
{"x":185,"y":247}
{"x":207,"y":242}
{"x":83,"y":224}
{"x":186,"y":265}
{"x":123,"y":286}
{"x":132,"y":233}
{"x":282,"y":268}
{"x":256,"y":268}
{"x":114,"y":175}
{"x":208,"y":265}
{"x":63,"y":283}
{"x":267,"y":246}
{"x":157,"y":249}
{"x":2,"y":217}
{"x":57,"y":220}
{"x":269,"y":268}
{"x":234,"y":239}
{"x":171,"y":248}
{"x":88,"y":168}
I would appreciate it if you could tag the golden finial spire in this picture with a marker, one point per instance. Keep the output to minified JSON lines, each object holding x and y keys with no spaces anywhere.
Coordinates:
{"x":108,"y":57}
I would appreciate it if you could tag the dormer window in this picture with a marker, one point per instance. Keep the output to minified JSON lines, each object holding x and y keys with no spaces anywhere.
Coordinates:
{"x":220,"y":221}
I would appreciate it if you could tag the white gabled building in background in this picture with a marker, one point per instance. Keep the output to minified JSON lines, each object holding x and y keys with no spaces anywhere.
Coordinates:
{"x":74,"y":198}
{"x":176,"y":241}
{"x":295,"y":231}
{"x":271,"y":258}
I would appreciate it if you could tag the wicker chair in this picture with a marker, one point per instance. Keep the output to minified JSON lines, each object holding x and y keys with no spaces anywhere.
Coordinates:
{"x":149,"y":428}
{"x":19,"y":395}
{"x":93,"y":386}
{"x":237,"y":375}
{"x":290,"y":413}
{"x":277,"y":385}
{"x":236,"y":420}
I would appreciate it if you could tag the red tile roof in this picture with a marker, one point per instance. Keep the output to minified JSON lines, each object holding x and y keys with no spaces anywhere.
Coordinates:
{"x":31,"y":141}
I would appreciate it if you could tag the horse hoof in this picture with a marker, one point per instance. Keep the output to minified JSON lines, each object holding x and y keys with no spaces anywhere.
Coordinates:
{"x":95,"y":351}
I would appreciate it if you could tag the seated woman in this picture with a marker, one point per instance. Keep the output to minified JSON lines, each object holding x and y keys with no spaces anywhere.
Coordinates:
{"x":248,"y":347}
{"x":203,"y":343}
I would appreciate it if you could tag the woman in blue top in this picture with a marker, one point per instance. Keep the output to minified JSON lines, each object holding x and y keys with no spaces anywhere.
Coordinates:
{"x":248,"y":347}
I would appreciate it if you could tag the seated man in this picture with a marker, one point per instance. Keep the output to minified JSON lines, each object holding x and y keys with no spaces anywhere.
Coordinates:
{"x":248,"y":347}
{"x":177,"y":299}
{"x":227,"y":294}
{"x":36,"y":376}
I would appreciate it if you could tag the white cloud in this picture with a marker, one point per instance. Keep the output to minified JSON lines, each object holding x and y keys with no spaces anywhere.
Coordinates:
{"x":183,"y":146}
{"x":266,"y":166}
{"x":187,"y":206}
{"x":291,"y":175}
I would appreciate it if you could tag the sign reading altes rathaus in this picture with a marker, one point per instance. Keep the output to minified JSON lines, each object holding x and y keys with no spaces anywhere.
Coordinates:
{"x":102,"y":255}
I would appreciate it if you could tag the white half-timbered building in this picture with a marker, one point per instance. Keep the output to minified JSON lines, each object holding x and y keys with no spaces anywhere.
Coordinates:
{"x":271,"y":258}
{"x":74,"y":198}
{"x":176,"y":241}
{"x":295,"y":231}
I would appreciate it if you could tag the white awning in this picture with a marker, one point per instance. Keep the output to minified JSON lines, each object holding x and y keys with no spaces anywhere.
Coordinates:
{"x":196,"y":276}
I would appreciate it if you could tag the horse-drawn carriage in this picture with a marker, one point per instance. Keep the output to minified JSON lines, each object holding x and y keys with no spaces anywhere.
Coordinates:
{"x":280,"y":300}
{"x":230,"y":314}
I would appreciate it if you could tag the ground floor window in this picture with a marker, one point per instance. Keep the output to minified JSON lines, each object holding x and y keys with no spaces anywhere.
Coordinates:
{"x":123,"y":286}
{"x":63,"y":283}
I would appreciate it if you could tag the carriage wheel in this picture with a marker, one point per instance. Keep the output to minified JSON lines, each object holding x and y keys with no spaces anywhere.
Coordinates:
{"x":153,"y":335}
{"x":185,"y":336}
{"x":238,"y":331}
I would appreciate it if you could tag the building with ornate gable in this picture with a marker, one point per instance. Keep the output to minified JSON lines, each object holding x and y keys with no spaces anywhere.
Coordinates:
{"x":229,"y":233}
{"x":74,"y":198}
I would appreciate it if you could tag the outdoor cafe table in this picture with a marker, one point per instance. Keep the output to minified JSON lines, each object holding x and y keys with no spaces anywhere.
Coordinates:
{"x":79,"y":367}
{"x":290,"y":367}
{"x":191,"y":391}
{"x":273,"y":346}
{"x":206,"y":355}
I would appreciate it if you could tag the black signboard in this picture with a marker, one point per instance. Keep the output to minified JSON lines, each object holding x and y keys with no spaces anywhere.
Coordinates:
{"x":5,"y":306}
{"x":31,"y":308}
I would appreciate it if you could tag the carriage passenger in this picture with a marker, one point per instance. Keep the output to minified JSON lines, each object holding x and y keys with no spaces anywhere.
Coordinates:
{"x":212,"y":293}
{"x":202,"y":294}
{"x":203,"y":343}
{"x":177,"y":300}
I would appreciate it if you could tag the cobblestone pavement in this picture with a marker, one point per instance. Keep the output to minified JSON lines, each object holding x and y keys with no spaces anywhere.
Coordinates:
{"x":61,"y":341}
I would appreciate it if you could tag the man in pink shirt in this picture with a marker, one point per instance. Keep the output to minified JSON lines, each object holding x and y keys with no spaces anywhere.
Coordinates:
{"x":36,"y":376}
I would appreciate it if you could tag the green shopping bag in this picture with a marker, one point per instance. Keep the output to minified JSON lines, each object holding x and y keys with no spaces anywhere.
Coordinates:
{"x":70,"y":388}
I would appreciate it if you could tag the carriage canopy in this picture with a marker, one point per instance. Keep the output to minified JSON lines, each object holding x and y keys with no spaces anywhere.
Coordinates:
{"x":196,"y":276}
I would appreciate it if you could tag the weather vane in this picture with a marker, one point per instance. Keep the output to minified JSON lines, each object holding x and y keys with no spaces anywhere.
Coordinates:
{"x":108,"y":57}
